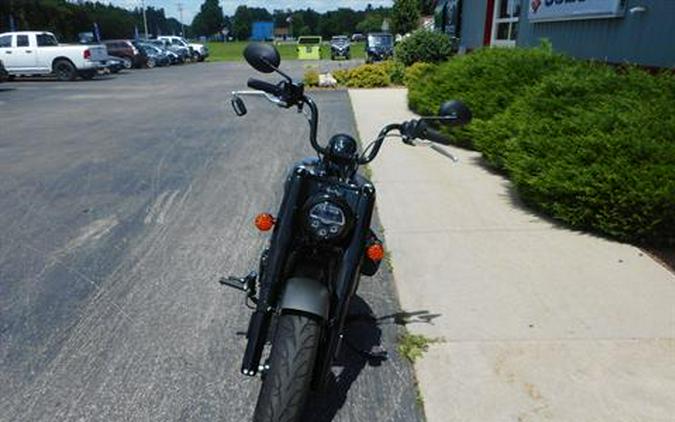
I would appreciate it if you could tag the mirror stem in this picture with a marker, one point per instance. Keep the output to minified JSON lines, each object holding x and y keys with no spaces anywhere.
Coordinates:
{"x":276,"y":69}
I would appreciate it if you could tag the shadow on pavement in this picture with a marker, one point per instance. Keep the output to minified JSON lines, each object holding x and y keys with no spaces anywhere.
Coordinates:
{"x":362,"y":335}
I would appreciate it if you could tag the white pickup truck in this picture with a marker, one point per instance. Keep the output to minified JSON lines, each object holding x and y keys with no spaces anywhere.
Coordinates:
{"x":39,"y":53}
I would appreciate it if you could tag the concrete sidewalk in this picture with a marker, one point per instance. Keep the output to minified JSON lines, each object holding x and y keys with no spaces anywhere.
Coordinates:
{"x":537,"y":322}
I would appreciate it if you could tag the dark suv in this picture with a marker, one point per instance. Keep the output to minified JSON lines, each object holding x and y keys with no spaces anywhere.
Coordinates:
{"x":379,"y":46}
{"x":126,"y":50}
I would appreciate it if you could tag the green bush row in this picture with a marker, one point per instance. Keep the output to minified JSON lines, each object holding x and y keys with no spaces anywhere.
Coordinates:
{"x":588,"y":144}
{"x":371,"y":75}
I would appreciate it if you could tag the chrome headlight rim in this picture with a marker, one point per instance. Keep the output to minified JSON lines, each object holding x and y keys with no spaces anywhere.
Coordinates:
{"x":328,"y":236}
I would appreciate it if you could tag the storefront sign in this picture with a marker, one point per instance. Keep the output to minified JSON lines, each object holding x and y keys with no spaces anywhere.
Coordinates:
{"x":559,"y":10}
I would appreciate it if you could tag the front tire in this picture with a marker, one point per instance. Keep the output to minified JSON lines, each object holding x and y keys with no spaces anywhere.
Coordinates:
{"x":287,"y":381}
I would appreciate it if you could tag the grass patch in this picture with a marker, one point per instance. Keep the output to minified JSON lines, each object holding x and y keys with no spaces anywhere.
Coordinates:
{"x":388,"y":261}
{"x":234,"y":51}
{"x":413,"y":346}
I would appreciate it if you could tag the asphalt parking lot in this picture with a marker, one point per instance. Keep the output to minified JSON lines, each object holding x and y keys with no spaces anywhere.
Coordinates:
{"x":123,"y":199}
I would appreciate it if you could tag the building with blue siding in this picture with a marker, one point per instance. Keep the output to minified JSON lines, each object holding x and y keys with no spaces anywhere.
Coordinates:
{"x":614,"y":31}
{"x":262,"y":31}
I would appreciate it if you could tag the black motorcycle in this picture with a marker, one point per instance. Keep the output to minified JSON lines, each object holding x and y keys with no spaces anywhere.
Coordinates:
{"x":320,"y":246}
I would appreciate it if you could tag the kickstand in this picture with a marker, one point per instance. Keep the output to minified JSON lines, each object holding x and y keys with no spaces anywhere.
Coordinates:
{"x":372,"y":356}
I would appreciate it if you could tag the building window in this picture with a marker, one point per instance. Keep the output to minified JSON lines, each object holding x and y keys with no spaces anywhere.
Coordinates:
{"x":505,"y":23}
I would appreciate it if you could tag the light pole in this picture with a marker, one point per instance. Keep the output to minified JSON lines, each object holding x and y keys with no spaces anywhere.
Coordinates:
{"x":145,"y":20}
{"x":182,"y":27}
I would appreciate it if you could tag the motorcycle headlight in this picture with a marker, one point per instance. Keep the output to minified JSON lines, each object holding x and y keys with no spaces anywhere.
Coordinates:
{"x":327,"y":219}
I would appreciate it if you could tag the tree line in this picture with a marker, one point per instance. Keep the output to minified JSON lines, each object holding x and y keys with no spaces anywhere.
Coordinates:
{"x":67,"y":19}
{"x":401,"y":18}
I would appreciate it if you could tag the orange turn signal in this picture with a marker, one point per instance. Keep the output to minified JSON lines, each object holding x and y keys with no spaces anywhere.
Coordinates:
{"x":375,"y":252}
{"x":264,"y":221}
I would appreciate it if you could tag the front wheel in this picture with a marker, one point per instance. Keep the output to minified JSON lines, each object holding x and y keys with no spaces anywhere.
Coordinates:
{"x":287,"y":381}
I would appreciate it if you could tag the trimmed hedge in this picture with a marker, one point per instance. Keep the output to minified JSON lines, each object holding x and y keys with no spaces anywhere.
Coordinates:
{"x":487,"y":80}
{"x":371,"y":75}
{"x":593,"y":148}
{"x":423,"y":46}
{"x":584,"y":143}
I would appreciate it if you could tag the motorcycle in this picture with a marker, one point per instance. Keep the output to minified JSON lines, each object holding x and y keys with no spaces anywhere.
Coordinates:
{"x":320,"y":245}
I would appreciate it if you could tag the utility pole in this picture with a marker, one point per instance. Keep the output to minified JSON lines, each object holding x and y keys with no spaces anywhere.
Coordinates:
{"x":180,"y":11}
{"x":145,"y":20}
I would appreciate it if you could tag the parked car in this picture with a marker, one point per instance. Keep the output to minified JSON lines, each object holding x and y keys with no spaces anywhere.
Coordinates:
{"x":356,"y":37}
{"x":125,"y":49}
{"x":4,"y":75}
{"x":340,"y":47}
{"x":39,"y":53}
{"x":198,"y":52}
{"x":155,"y":55}
{"x":379,"y":46}
{"x":178,"y":47}
{"x":175,"y":58}
{"x":115,"y":64}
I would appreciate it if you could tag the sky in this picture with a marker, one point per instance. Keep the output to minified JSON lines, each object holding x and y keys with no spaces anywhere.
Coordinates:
{"x":191,"y":7}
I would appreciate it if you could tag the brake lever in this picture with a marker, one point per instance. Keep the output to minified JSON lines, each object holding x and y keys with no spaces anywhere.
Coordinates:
{"x":442,"y":151}
{"x":269,"y":97}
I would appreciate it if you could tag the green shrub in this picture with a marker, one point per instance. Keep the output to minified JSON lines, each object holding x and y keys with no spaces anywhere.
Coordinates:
{"x":423,"y":46}
{"x":593,"y":148}
{"x":311,"y":77}
{"x":364,"y":76}
{"x":395,"y":70}
{"x":418,"y":73}
{"x":487,"y":80}
{"x":341,"y":76}
{"x":368,"y":76}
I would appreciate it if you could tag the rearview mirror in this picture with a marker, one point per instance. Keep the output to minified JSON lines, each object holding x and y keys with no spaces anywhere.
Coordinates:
{"x":262,"y":57}
{"x":457,"y":113}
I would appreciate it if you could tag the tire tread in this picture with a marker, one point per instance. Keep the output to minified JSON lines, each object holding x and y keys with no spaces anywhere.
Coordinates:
{"x":285,"y":388}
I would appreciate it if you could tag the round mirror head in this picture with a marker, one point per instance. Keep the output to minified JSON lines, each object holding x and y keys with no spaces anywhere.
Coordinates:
{"x":456,"y":109}
{"x":262,"y":57}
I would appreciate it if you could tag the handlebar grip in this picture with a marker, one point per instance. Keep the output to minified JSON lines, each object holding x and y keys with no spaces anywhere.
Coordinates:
{"x":259,"y":85}
{"x":435,"y":136}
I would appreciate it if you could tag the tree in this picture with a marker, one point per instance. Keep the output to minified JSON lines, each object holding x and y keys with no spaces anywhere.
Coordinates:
{"x":372,"y":23}
{"x":427,"y":7}
{"x":209,"y":20}
{"x":405,"y":15}
{"x":243,"y":19}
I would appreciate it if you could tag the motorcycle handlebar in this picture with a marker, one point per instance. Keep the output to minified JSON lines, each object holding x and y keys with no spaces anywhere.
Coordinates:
{"x":435,"y":136}
{"x":267,"y":87}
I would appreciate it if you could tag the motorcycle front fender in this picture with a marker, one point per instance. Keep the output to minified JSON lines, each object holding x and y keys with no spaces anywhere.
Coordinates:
{"x":306,"y":295}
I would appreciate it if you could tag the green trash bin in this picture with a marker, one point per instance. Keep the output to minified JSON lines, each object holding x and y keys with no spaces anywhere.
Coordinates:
{"x":309,"y":48}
